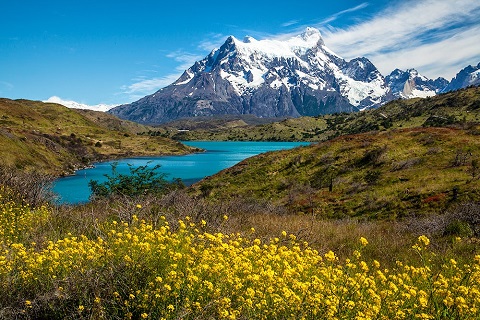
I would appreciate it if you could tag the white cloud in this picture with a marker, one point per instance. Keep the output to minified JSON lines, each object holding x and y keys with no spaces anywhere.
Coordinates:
{"x":76,"y":105}
{"x":289,"y":23}
{"x":144,"y":86}
{"x":434,"y":59}
{"x":5,"y":87}
{"x":414,"y":32}
{"x":301,"y":28}
{"x":335,"y":16}
{"x":437,"y":37}
{"x":211,"y":42}
{"x":185,"y":59}
{"x":148,"y":86}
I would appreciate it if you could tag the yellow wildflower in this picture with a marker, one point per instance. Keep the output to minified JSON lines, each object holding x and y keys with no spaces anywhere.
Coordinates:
{"x":330,"y":256}
{"x":424,"y":240}
{"x":363,"y":241}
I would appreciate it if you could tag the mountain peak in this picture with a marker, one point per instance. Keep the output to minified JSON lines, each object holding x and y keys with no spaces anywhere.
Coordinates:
{"x":310,"y":38}
{"x":230,"y":39}
{"x":272,"y":77}
{"x":413,"y":72}
{"x":249,"y":39}
{"x":468,"y":76}
{"x":411,"y":84}
{"x":294,"y":47}
{"x":311,"y":33}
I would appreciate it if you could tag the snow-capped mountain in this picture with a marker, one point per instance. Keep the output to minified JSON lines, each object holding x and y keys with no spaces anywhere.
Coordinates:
{"x":410,"y":84}
{"x":266,"y":78}
{"x":76,"y":105}
{"x":469,"y":76}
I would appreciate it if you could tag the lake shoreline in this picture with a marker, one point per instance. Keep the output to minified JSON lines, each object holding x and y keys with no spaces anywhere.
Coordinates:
{"x":191,"y":167}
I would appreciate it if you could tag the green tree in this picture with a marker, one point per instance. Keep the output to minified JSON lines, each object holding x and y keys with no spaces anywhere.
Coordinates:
{"x":140,"y":181}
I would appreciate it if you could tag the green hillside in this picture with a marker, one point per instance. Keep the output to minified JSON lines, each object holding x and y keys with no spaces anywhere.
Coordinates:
{"x":54,"y":139}
{"x":458,"y":108}
{"x":387,"y":174}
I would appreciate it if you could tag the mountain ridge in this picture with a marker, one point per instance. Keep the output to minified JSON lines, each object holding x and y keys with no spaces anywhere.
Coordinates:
{"x":411,"y":84}
{"x":299,"y":76}
{"x":266,"y":78}
{"x":468,"y":76}
{"x":456,"y":108}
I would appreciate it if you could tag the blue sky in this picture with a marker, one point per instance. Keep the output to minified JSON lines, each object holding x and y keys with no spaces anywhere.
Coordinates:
{"x":114,"y":52}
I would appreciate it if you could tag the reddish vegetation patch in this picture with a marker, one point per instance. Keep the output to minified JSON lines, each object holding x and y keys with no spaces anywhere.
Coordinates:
{"x":435,"y":198}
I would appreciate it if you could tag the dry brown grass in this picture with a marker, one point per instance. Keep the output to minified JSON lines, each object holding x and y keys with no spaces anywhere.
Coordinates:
{"x":389,"y":240}
{"x":31,"y":188}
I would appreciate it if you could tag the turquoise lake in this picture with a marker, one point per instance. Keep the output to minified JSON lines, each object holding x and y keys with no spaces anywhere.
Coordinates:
{"x":190,"y":168}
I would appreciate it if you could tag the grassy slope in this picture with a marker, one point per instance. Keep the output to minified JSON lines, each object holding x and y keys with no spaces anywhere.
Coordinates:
{"x":408,"y":157}
{"x":387,"y":174}
{"x":451,"y":108}
{"x":52,"y":138}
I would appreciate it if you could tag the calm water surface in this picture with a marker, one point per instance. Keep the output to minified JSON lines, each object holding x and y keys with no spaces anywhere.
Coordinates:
{"x":190,"y":168}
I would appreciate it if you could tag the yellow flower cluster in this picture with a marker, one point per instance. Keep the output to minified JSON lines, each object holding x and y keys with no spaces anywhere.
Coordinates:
{"x":138,"y":271}
{"x":16,"y":220}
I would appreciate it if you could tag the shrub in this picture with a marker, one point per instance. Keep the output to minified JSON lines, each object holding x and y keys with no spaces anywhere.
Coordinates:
{"x":372,"y":156}
{"x":458,"y":228}
{"x":372,"y":176}
{"x":140,"y":181}
{"x":439,"y":121}
{"x":469,"y":214}
{"x":30,"y":188}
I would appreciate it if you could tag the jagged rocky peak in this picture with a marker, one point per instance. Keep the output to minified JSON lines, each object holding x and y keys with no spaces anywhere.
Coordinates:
{"x":412,"y":73}
{"x":468,"y":76}
{"x":361,"y":69}
{"x":312,"y":35}
{"x":411,"y":84}
{"x":274,"y":77}
{"x":275,"y":47}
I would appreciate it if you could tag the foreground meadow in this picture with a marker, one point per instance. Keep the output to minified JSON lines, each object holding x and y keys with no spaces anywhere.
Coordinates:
{"x":143,"y":266}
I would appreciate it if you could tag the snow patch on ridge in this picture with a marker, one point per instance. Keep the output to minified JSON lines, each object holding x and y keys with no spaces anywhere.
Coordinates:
{"x":422,"y":93}
{"x":357,"y":91}
{"x":190,"y":76}
{"x":76,"y":105}
{"x":255,"y":58}
{"x":270,"y":48}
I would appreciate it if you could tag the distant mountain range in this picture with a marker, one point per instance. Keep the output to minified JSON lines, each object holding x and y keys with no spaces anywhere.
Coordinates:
{"x":469,"y":76}
{"x":410,"y":84}
{"x":299,"y":76}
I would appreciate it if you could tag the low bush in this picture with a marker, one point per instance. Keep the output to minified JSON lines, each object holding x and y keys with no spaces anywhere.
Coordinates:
{"x":30,"y":188}
{"x":139,"y":181}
